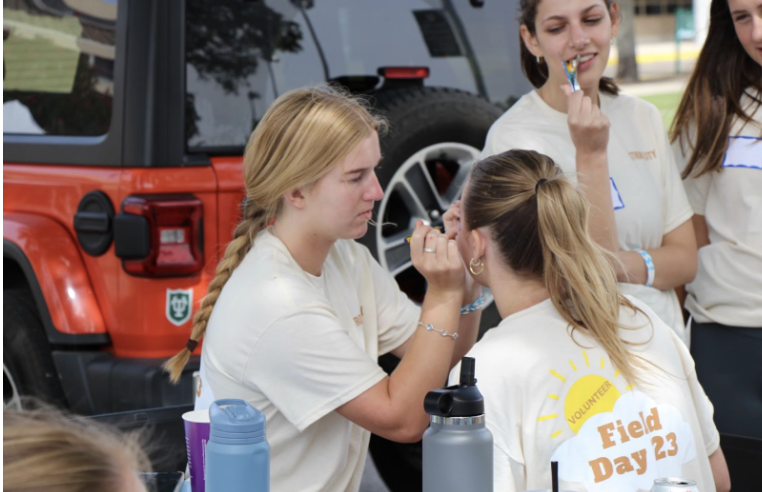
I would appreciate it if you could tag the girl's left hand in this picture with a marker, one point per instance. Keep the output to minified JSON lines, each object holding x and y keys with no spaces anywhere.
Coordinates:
{"x":451,"y":220}
{"x":452,"y":227}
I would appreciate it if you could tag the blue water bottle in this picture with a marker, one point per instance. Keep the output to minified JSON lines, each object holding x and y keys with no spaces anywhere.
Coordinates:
{"x":237,"y":454}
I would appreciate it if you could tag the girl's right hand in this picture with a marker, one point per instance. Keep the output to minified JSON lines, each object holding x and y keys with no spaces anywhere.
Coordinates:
{"x":588,"y":126}
{"x":437,"y":258}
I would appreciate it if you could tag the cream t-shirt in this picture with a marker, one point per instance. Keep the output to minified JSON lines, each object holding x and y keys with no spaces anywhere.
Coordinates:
{"x":548,"y":398}
{"x":296,"y":347}
{"x":649,"y":200}
{"x":728,"y":286}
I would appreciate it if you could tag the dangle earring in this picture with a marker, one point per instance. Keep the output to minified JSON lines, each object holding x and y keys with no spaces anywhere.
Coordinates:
{"x":473,"y":264}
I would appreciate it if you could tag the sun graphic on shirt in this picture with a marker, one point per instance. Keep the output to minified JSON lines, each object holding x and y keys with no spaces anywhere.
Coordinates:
{"x":589,"y":395}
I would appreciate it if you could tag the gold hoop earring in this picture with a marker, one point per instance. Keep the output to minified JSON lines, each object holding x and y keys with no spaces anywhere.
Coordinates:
{"x":474,"y":263}
{"x":539,"y":59}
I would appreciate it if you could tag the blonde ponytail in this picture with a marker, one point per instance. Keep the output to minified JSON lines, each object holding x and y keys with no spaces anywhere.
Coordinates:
{"x":540,"y":222}
{"x":579,"y":277}
{"x":303,"y":135}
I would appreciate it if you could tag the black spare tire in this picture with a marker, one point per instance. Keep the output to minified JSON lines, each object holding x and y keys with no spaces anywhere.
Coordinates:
{"x":435,"y":135}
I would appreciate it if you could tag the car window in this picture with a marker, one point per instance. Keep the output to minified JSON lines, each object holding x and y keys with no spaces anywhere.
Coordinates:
{"x":58,"y":66}
{"x":240,"y":55}
{"x":230,"y":49}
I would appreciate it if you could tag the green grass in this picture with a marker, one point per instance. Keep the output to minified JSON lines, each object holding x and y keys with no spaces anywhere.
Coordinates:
{"x":667,"y":105}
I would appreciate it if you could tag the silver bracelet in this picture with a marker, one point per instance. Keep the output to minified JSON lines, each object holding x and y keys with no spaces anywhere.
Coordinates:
{"x":441,"y":332}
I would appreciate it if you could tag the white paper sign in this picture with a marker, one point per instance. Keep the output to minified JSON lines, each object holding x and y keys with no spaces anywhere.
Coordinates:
{"x":744,"y":152}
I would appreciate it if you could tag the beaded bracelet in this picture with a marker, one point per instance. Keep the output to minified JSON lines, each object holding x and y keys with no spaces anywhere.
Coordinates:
{"x":474,"y":306}
{"x":649,"y":267}
{"x":441,"y":332}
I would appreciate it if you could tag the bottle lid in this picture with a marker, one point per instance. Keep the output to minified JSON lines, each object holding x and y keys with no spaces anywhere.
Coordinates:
{"x":231,"y":418}
{"x":461,"y":400}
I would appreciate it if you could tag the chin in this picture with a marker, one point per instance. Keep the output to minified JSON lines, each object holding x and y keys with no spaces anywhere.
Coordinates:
{"x":359,"y":233}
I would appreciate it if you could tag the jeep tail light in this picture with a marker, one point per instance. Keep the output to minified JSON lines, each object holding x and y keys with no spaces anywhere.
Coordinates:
{"x":404,"y":72}
{"x":160,"y":235}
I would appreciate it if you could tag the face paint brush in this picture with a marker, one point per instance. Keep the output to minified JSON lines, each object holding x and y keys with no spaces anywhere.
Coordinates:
{"x":409,"y":238}
{"x":570,"y":68}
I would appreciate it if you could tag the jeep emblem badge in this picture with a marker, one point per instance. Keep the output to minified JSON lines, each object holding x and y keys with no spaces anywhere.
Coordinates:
{"x":179,"y":303}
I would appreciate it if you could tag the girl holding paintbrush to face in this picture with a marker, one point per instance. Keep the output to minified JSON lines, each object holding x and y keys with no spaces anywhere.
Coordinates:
{"x":613,"y":145}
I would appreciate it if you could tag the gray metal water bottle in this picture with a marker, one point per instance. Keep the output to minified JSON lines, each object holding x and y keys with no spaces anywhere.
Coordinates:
{"x":457,"y":447}
{"x":237,"y":454}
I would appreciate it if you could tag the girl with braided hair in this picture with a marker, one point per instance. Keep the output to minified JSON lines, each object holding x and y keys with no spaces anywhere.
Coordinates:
{"x":575,"y":372}
{"x":298,"y":313}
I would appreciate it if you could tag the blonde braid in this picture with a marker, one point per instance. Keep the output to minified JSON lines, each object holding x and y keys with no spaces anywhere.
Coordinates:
{"x":255,"y":220}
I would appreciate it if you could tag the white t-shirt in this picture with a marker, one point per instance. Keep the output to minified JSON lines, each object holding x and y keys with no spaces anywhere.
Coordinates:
{"x":548,"y":398}
{"x":296,"y":347}
{"x":649,"y":200}
{"x":728,"y":286}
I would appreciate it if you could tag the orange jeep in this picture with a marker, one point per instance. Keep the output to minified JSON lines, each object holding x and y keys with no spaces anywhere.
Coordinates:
{"x":124,"y":127}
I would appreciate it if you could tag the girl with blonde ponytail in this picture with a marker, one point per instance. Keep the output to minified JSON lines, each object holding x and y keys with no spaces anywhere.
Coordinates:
{"x":298,"y":313}
{"x":575,"y":372}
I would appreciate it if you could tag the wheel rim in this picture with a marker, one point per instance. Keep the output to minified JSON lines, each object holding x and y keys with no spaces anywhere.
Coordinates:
{"x":423,"y":187}
{"x":11,"y":396}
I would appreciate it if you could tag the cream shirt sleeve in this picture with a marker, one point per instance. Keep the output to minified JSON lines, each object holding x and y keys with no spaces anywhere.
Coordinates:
{"x":307,"y":365}
{"x":397,"y":315}
{"x":675,"y":207}
{"x":704,"y":407}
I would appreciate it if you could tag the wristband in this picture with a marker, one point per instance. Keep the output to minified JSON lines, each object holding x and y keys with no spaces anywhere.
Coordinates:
{"x":649,"y":267}
{"x":474,"y":306}
{"x":441,"y":332}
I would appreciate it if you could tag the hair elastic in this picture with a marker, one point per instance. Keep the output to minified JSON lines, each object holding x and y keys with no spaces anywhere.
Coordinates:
{"x":191,"y":344}
{"x":649,"y":267}
{"x":541,"y":181}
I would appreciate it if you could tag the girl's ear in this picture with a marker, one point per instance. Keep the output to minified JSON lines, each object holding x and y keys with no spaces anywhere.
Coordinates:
{"x":478,"y":242}
{"x":530,"y":41}
{"x":295,"y":197}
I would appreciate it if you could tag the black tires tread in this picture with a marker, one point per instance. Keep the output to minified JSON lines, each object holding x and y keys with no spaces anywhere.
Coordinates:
{"x":26,"y":352}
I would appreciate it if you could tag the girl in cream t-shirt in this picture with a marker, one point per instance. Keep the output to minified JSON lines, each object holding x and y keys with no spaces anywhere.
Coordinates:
{"x":613,"y":145}
{"x":647,"y":194}
{"x":718,"y":145}
{"x":575,"y":372}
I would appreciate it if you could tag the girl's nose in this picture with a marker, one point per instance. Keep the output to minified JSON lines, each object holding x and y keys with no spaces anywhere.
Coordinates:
{"x":756,"y":29}
{"x":374,"y":191}
{"x":579,"y":38}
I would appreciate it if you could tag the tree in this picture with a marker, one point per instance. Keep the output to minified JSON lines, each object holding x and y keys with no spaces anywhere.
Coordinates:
{"x":627,"y":69}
